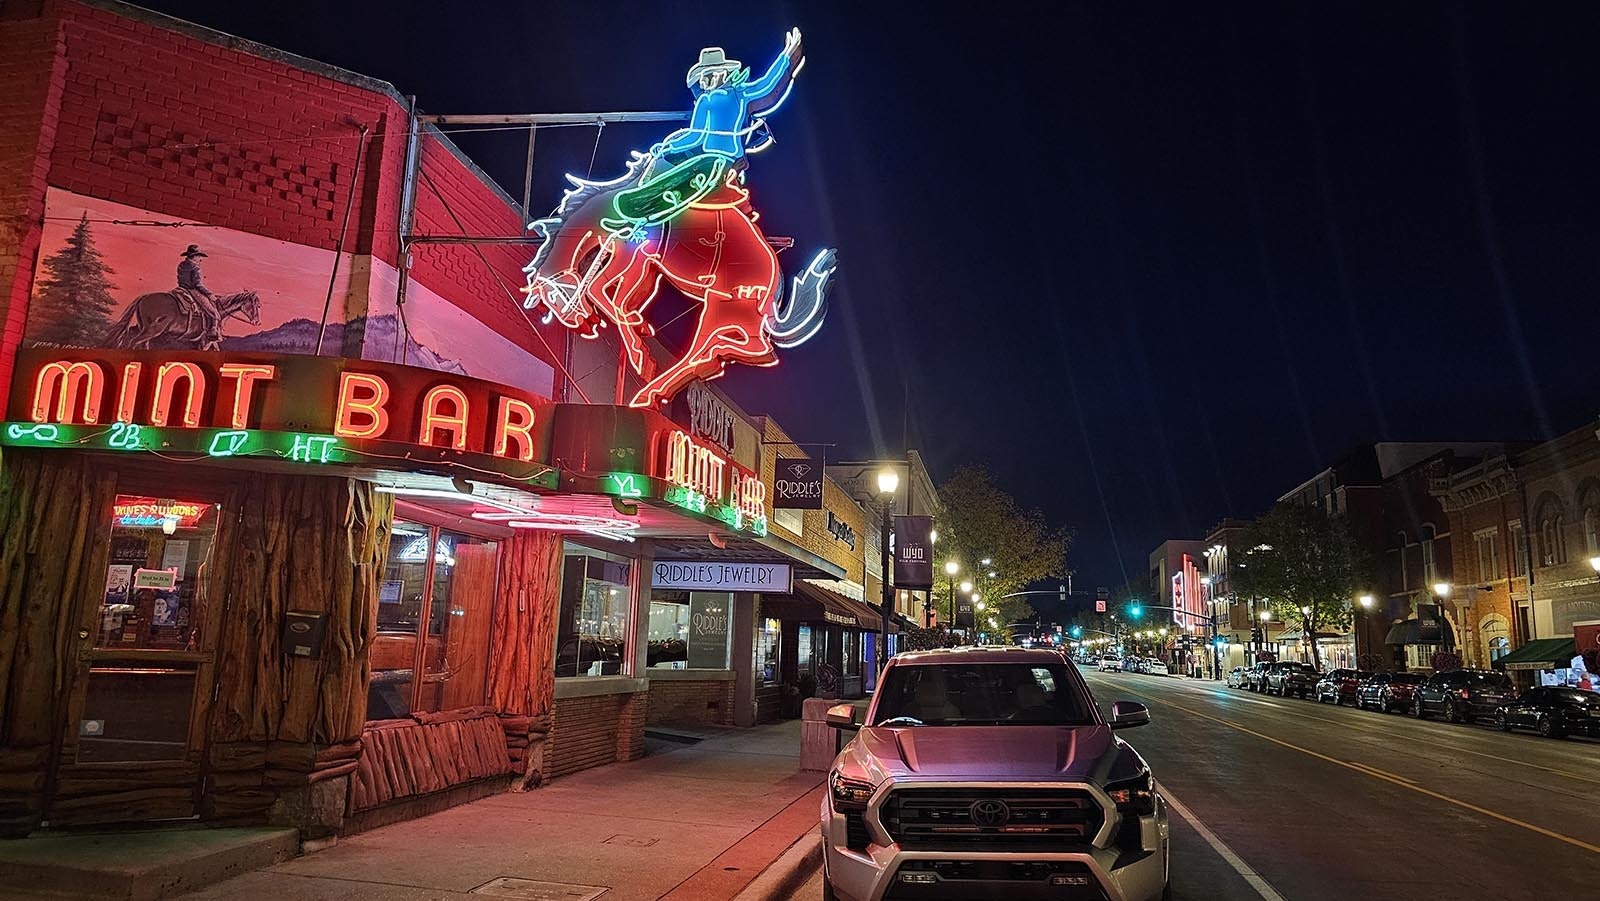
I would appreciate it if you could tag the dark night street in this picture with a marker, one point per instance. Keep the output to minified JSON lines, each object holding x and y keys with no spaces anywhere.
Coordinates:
{"x":1324,"y":802}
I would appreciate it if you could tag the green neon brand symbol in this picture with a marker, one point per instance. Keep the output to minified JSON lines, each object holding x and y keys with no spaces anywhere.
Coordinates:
{"x":226,"y":444}
{"x":312,"y":448}
{"x":124,"y":436}
{"x":625,"y":484}
{"x":44,"y":432}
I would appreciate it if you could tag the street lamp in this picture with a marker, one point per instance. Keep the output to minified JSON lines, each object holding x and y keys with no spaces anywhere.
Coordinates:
{"x":1366,"y":601}
{"x":951,"y":567}
{"x":1442,"y":589}
{"x":888,"y":483}
{"x":1594,"y":563}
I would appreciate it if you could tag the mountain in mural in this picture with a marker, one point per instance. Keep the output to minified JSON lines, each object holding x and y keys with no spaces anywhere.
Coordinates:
{"x":300,"y":336}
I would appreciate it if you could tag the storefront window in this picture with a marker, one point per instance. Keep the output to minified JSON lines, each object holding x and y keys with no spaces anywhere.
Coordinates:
{"x":852,"y":654}
{"x":435,"y":607}
{"x":669,"y":630}
{"x":596,"y":605}
{"x":767,"y":645}
{"x":689,"y":630}
{"x":153,"y":597}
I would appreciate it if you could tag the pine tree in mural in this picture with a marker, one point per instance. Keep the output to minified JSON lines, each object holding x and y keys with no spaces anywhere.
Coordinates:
{"x":72,"y":301}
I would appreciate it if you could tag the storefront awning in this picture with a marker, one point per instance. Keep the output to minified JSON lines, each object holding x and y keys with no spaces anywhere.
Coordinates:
{"x":1407,"y":633}
{"x":1322,"y":637}
{"x":1541,"y":653}
{"x":813,"y":603}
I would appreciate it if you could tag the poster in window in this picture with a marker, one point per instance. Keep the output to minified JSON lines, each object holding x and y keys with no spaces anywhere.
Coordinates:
{"x":175,"y":556}
{"x":119,"y":578}
{"x":389,"y":591}
{"x":164,"y":612}
{"x":708,"y":630}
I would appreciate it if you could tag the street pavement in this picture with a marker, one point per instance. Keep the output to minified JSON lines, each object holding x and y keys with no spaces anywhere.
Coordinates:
{"x":1283,"y":798}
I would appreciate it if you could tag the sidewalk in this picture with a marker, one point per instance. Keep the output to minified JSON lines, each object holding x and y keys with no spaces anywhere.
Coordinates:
{"x":697,"y":821}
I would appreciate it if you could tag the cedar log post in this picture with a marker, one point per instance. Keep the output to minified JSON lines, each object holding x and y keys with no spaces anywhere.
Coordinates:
{"x":522,"y":664}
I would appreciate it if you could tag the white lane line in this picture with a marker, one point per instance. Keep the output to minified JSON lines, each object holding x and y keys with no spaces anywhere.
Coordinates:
{"x":1256,"y":881}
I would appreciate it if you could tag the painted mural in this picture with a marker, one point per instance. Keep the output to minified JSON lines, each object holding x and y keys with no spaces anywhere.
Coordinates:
{"x":111,"y":275}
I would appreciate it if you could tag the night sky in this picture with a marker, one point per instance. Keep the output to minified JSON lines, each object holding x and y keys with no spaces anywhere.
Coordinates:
{"x":1153,"y":264}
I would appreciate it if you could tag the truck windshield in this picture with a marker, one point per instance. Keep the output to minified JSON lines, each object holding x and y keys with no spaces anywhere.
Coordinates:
{"x":988,"y":694}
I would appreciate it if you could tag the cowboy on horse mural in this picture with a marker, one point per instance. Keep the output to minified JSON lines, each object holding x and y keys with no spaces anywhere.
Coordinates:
{"x":682,"y":213}
{"x":189,"y":316}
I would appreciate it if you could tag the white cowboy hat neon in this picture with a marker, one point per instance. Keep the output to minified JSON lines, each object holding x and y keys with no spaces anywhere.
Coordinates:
{"x":712,"y":59}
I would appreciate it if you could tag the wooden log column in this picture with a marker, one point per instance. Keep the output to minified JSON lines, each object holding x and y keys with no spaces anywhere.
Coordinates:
{"x":52,"y":546}
{"x":285,"y":730}
{"x":522,"y":672}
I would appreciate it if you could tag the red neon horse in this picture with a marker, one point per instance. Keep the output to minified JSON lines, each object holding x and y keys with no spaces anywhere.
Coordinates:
{"x":585,"y":276}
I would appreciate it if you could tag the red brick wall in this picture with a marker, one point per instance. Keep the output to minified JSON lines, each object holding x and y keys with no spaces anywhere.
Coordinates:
{"x":691,"y":702}
{"x":593,"y":731}
{"x":193,"y":124}
{"x":33,"y":70}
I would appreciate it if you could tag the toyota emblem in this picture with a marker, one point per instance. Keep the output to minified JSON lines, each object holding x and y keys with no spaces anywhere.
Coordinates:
{"x":990,"y":813}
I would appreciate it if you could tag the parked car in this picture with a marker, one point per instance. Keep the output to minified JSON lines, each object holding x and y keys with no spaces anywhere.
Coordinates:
{"x":1552,"y":712}
{"x":1236,"y":677}
{"x":1130,"y":664}
{"x":1255,"y":678}
{"x":1340,"y":685}
{"x":1387,"y":692}
{"x":957,"y":777}
{"x":1462,"y":695}
{"x":1110,"y":663}
{"x":1291,"y":677}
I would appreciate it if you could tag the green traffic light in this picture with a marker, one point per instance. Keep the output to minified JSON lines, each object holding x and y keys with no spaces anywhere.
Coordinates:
{"x":1135,"y":611}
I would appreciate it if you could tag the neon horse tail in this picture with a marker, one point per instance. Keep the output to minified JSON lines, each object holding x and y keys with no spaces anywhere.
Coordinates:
{"x":790,"y":324}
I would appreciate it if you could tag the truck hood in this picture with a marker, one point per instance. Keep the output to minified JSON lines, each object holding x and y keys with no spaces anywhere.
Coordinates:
{"x":989,"y":752}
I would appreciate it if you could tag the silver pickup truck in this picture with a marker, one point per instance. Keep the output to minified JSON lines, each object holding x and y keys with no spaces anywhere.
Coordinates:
{"x":990,"y":773}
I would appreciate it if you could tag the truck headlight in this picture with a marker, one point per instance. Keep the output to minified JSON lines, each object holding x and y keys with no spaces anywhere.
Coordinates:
{"x":849,"y":794}
{"x":1133,"y":796}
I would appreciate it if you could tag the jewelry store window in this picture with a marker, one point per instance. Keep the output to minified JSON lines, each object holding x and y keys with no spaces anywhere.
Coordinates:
{"x":435,"y":607}
{"x":596,"y":616}
{"x":689,"y":629}
{"x":768,"y":642}
{"x":151,"y":647}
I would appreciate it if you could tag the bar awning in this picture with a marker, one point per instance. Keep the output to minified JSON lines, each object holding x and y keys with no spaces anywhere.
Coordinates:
{"x":1407,"y":633}
{"x":1540,"y":653}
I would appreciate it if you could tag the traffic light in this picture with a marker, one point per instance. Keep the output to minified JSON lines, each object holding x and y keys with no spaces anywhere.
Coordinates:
{"x":1134,"y":610}
{"x":1077,"y":631}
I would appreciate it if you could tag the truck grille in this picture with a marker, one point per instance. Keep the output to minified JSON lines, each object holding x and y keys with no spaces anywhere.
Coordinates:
{"x":990,"y":818}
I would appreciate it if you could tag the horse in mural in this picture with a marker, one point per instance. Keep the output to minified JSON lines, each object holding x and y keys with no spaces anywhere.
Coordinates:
{"x":162,"y":316}
{"x":591,"y":270}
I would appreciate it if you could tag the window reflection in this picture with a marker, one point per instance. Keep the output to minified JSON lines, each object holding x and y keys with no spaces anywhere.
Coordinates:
{"x":593,"y":624}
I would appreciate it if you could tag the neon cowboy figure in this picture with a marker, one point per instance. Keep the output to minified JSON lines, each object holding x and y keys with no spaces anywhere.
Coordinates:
{"x":692,"y":162}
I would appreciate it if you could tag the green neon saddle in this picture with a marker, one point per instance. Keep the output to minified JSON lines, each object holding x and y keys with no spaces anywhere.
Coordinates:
{"x":669,"y":193}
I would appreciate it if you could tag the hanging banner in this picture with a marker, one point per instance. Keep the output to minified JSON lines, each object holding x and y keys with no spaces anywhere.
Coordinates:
{"x":913,"y":552}
{"x":797,"y":484}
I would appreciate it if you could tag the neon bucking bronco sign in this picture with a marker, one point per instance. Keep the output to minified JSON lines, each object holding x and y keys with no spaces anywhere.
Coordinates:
{"x":681,"y":214}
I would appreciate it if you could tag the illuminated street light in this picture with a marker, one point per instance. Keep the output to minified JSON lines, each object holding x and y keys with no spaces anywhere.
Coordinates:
{"x":966,"y":587}
{"x":986,"y":561}
{"x":951,"y":567}
{"x":1442,"y":589}
{"x":1266,"y":615}
{"x":888,"y":481}
{"x":1367,"y":601}
{"x":1594,"y":563}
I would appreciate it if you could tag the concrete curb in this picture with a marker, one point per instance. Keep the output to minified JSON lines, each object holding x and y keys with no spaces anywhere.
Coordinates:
{"x":788,"y":872}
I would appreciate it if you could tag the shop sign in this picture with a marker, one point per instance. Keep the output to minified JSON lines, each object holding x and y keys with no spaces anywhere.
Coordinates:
{"x":159,"y":579}
{"x":708,"y":631}
{"x":797,"y":484}
{"x":1430,"y":624}
{"x":704,"y":477}
{"x":152,"y":513}
{"x":841,"y":531}
{"x":913,"y":552}
{"x":691,"y":575}
{"x":299,"y":409}
{"x":709,"y":419}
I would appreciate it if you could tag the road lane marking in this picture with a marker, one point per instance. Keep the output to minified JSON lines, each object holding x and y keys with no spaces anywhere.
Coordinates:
{"x":1245,"y":871}
{"x":1377,"y":772}
{"x":1390,"y":778}
{"x":1290,"y":711}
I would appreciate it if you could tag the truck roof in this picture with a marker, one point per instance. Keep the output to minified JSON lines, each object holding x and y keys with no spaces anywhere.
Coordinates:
{"x":978,"y":655}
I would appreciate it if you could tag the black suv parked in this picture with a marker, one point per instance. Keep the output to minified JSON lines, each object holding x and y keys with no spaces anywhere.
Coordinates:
{"x":1292,"y":678}
{"x":1552,"y":712}
{"x":1462,"y":695}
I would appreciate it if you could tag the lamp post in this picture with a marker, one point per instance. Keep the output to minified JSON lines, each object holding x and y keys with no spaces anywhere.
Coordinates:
{"x":951,"y":567}
{"x":966,"y":588}
{"x":1266,"y":617}
{"x":1366,"y":602}
{"x":888,"y":483}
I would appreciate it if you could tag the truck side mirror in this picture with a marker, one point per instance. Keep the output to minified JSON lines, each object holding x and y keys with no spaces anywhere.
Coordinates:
{"x":842,"y":716}
{"x":1127,"y":714}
